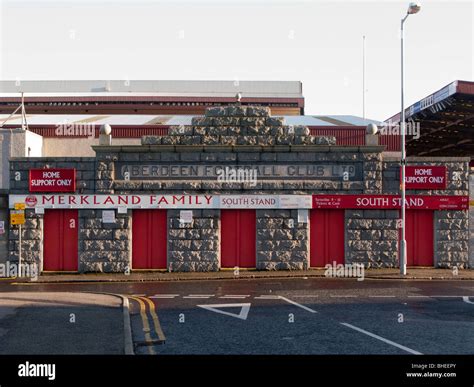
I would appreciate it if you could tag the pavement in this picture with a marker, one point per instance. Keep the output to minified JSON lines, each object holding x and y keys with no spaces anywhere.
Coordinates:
{"x":274,"y":315}
{"x":150,"y":276}
{"x":51,"y":323}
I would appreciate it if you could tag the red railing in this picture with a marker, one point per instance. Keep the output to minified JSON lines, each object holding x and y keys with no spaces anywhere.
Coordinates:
{"x":345,"y":136}
{"x":391,"y":141}
{"x":82,"y":131}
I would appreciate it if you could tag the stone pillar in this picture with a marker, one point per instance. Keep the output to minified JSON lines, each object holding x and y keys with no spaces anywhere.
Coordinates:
{"x":104,"y":247}
{"x":31,"y":243}
{"x":451,"y":239}
{"x":282,"y":242}
{"x":194,"y":246}
{"x":372,"y":237}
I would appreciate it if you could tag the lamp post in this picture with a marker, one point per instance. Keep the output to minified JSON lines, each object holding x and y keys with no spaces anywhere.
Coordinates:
{"x":412,"y":9}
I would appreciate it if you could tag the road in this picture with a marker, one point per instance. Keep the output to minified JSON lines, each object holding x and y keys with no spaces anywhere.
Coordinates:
{"x":293,"y":316}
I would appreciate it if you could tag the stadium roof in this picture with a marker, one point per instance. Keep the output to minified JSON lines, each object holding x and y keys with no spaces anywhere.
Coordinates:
{"x":281,"y":89}
{"x":149,"y":119}
{"x":446,"y":120}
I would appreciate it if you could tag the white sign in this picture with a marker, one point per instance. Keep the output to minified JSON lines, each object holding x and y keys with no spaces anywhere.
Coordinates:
{"x":108,"y":216}
{"x":302,"y":216}
{"x":296,"y":201}
{"x":164,"y":201}
{"x":186,"y":216}
{"x":2,"y":227}
{"x":122,"y":210}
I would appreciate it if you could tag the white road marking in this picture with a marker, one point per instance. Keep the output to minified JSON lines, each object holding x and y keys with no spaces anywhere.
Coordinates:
{"x":466,"y":299}
{"x":382,"y":339}
{"x":296,"y":304}
{"x":381,"y":296}
{"x":344,"y":295}
{"x":164,"y":296}
{"x":306,"y":296}
{"x":244,"y":311}
{"x":419,"y":296}
{"x":264,"y":297}
{"x":236,"y":296}
{"x":197,"y":297}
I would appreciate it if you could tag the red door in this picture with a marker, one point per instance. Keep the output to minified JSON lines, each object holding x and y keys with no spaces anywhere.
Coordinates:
{"x":238,"y":238}
{"x":149,"y":237}
{"x":60,"y":240}
{"x":419,"y":237}
{"x":326,"y":237}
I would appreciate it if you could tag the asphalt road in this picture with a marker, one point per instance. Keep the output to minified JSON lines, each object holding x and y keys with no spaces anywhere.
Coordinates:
{"x":294,"y":316}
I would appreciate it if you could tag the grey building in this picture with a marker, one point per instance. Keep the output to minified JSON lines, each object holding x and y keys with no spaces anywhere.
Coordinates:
{"x":237,"y":188}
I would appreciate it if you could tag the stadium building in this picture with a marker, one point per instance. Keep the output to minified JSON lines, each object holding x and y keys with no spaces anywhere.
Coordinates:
{"x":245,"y":181}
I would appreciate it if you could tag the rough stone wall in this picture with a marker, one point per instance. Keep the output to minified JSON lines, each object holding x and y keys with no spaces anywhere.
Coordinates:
{"x":372,"y":237}
{"x":451,"y":239}
{"x":471,"y":219}
{"x":4,"y":216}
{"x":373,"y":173}
{"x":31,"y":244}
{"x":104,"y":247}
{"x":85,"y":171}
{"x":238,"y":125}
{"x":282,"y":242}
{"x":194,"y":246}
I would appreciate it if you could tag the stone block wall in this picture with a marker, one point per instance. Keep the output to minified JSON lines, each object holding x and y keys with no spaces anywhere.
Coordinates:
{"x":451,"y":239}
{"x":85,"y":171}
{"x":104,"y":247}
{"x":5,"y":217}
{"x":371,"y":237}
{"x":282,"y":242}
{"x":32,"y":240}
{"x":194,"y":246}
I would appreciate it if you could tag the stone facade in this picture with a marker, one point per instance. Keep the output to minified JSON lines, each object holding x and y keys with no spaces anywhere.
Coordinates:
{"x":245,"y":137}
{"x":282,"y":242}
{"x":371,"y":237}
{"x":194,"y":246}
{"x":104,"y":247}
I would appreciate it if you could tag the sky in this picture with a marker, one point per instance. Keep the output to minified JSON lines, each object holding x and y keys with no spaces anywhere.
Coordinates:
{"x":316,"y":42}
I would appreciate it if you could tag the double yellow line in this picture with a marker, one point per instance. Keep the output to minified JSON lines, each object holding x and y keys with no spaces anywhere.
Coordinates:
{"x":142,"y":302}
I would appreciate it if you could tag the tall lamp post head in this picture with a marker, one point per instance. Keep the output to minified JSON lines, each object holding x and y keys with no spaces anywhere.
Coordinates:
{"x":413,"y":8}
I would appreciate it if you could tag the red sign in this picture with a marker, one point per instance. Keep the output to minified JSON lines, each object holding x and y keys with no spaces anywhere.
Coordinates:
{"x":52,"y":180}
{"x":425,"y":177}
{"x":31,"y":201}
{"x":391,"y":202}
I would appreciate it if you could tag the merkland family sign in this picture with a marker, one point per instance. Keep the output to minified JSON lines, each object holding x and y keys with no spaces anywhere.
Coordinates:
{"x":385,"y":202}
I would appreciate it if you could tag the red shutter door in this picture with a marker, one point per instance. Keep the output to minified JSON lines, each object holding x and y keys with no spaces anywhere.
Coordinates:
{"x":149,"y":238}
{"x":60,"y":240}
{"x":326,"y":237}
{"x":419,"y":236}
{"x":238,"y":238}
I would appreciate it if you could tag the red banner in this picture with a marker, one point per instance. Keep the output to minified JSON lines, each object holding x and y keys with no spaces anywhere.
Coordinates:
{"x":390,"y":202}
{"x":425,"y":177}
{"x":52,"y":180}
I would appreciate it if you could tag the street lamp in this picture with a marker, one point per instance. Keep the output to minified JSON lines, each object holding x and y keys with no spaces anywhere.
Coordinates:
{"x":412,"y":9}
